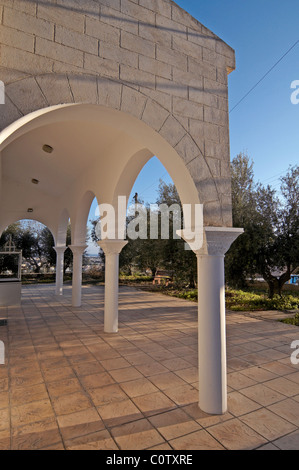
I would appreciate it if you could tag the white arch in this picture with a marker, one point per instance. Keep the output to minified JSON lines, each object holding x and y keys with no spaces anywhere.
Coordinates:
{"x":12,"y":221}
{"x":62,"y":228}
{"x":145,"y":137}
{"x":81,"y":219}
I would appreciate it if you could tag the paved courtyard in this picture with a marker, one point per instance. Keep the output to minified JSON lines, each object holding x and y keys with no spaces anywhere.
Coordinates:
{"x":67,"y":385}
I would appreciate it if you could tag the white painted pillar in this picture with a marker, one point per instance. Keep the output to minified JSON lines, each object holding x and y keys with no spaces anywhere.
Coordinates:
{"x":59,"y":269}
{"x":211,"y":317}
{"x":112,"y":249}
{"x":77,"y":274}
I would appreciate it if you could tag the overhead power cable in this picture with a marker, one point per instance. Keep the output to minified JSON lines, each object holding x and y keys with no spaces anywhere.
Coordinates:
{"x":264,"y":76}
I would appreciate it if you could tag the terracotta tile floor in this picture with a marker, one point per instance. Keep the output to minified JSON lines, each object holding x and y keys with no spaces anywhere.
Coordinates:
{"x":67,"y":385}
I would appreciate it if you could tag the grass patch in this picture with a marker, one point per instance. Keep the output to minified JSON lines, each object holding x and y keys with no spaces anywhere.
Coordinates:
{"x":243,"y":300}
{"x":292,"y":321}
{"x":135,"y":279}
{"x":239,"y":300}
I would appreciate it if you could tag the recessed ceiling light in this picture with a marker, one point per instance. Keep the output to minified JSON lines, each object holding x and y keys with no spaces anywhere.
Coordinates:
{"x":34,"y":181}
{"x":30,"y":210}
{"x":47,"y":148}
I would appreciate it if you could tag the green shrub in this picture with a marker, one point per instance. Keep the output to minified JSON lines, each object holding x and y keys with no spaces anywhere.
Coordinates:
{"x":292,"y":321}
{"x":134,"y":278}
{"x":243,"y":300}
{"x":240,"y":300}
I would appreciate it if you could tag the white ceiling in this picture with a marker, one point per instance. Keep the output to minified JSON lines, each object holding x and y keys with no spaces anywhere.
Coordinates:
{"x":76,"y":146}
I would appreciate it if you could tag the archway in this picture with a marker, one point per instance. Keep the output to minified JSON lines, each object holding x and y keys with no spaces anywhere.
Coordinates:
{"x":26,"y":248}
{"x":161,"y":94}
{"x":80,"y":151}
{"x":63,"y":253}
{"x":79,"y":242}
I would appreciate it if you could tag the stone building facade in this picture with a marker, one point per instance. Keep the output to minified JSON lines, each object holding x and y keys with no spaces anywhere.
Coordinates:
{"x":105,"y":85}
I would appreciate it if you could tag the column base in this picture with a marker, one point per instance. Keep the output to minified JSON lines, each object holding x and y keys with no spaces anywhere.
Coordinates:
{"x":211,"y":318}
{"x":111,"y":248}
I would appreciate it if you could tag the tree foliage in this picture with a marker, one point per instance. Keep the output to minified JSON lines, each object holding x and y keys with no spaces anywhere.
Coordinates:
{"x":270,"y":244}
{"x":37,"y":244}
{"x":160,"y":253}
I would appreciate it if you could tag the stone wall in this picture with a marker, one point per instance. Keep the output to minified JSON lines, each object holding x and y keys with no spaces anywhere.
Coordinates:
{"x":148,"y":58}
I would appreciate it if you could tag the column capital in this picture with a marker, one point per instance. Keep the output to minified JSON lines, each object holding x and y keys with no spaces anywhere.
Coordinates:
{"x":112,"y":247}
{"x":218,"y":240}
{"x":59,"y":249}
{"x":77,"y":249}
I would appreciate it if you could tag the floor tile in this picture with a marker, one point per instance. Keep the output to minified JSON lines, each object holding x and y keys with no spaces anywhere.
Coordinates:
{"x":153,"y":403}
{"x":151,"y":368}
{"x":64,"y":387}
{"x":262,"y":394}
{"x":114,"y":364}
{"x":289,"y":442}
{"x":182,"y":395}
{"x":284,"y":386}
{"x":35,"y":436}
{"x":80,"y":423}
{"x":4,"y":400}
{"x":31,"y":412}
{"x":238,"y":381}
{"x":199,"y":440}
{"x":97,"y":380}
{"x":259,"y":374}
{"x":5,"y":440}
{"x":97,"y":441}
{"x":126,"y":374}
{"x":106,"y":395}
{"x":117,"y":413}
{"x":4,"y":419}
{"x":54,"y":375}
{"x":235,"y":435}
{"x":68,"y":385}
{"x":138,"y":387}
{"x":173,"y":424}
{"x":137,"y":435}
{"x":287,"y":409}
{"x":67,"y":404}
{"x":162,"y":381}
{"x":268,"y":424}
{"x":239,"y":405}
{"x":88,"y":368}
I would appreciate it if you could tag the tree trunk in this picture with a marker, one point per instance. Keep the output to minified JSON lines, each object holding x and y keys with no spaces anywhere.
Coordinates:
{"x":192,"y":280}
{"x":274,"y":287}
{"x":153,"y":270}
{"x":36,"y":265}
{"x":276,"y":284}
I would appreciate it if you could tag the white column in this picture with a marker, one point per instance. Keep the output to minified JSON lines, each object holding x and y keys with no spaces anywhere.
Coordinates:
{"x":211,"y":317}
{"x":59,"y":269}
{"x":77,"y":274}
{"x":112,"y":249}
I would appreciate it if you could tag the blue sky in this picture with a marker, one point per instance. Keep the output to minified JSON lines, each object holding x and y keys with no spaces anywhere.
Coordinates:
{"x":265,"y":124}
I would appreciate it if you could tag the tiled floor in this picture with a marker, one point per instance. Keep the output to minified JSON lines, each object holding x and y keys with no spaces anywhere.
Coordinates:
{"x":67,"y":385}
